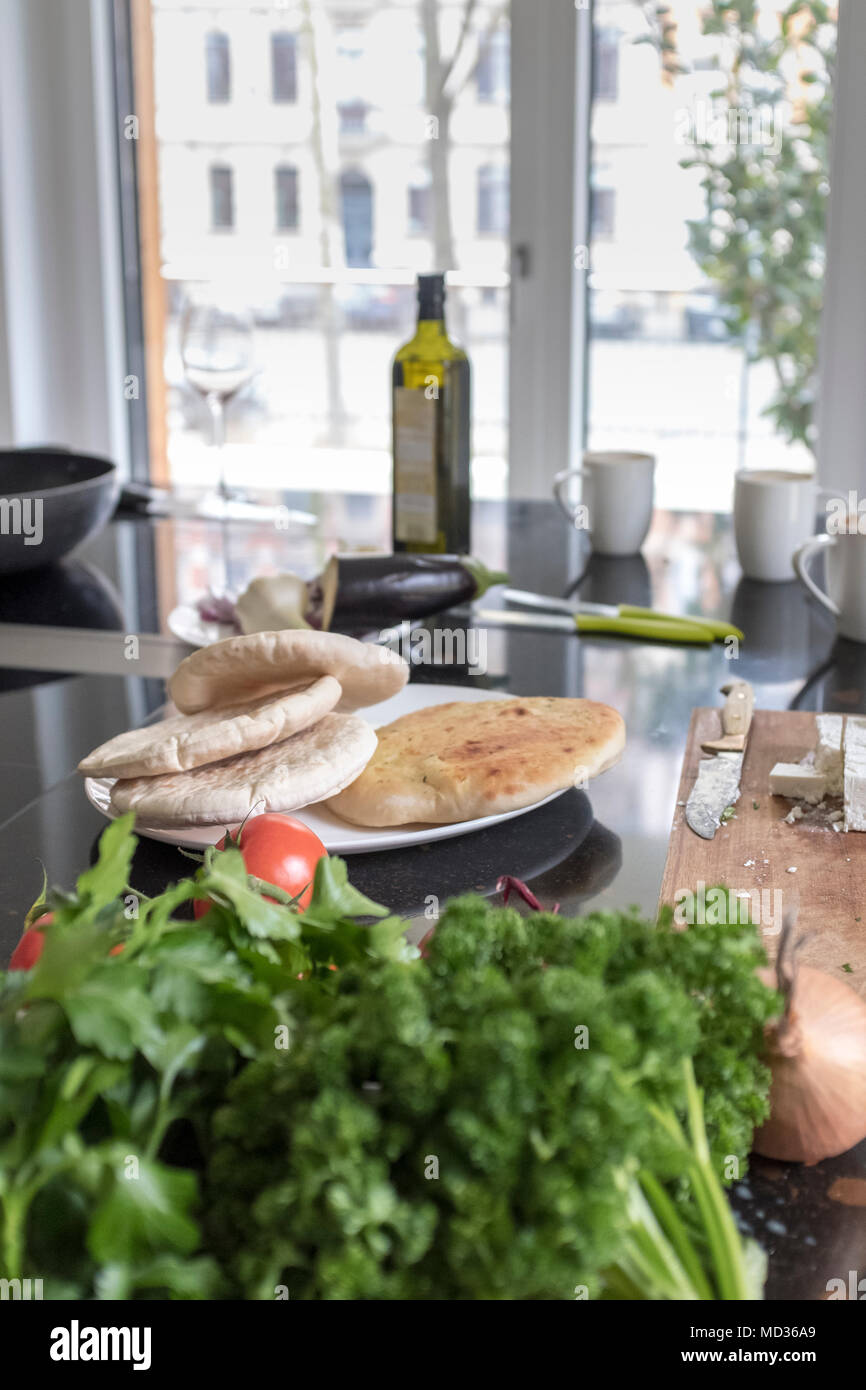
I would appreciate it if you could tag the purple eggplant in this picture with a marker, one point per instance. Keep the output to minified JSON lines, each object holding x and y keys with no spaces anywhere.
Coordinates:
{"x":369,"y":591}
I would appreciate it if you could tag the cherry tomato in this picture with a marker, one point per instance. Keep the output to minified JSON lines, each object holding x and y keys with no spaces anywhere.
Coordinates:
{"x":279,"y":850}
{"x":29,"y":948}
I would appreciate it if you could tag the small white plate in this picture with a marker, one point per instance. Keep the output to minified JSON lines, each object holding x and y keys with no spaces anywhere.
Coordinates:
{"x":186,"y":623}
{"x":337,"y":835}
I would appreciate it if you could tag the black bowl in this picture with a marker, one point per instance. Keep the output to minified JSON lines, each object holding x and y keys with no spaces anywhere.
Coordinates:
{"x":50,"y":502}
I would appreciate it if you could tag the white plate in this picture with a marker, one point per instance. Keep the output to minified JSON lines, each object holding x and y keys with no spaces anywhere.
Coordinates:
{"x":186,"y":623}
{"x":337,"y":835}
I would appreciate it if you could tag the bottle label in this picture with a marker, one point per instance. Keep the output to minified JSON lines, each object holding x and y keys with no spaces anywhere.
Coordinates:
{"x":414,"y":465}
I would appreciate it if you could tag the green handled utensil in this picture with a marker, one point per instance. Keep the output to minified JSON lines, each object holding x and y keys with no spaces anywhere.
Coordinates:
{"x":624,"y":618}
{"x":648,"y":629}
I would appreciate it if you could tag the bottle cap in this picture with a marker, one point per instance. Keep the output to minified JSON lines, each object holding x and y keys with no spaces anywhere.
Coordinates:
{"x":431,"y":296}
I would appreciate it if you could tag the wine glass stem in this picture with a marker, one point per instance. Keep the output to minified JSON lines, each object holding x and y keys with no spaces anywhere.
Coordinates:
{"x":218,"y":434}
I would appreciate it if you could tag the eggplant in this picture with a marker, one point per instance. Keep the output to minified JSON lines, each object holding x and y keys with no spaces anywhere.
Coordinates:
{"x":370,"y":591}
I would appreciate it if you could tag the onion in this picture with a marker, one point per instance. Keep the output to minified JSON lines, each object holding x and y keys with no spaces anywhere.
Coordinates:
{"x":817,"y":1055}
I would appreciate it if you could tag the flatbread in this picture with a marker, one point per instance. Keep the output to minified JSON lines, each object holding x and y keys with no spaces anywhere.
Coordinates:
{"x":463,"y":760}
{"x":193,"y":740}
{"x":261,"y":663}
{"x":301,"y":770}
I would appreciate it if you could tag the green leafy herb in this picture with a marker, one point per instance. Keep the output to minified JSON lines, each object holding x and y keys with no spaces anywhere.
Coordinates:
{"x":274,"y":1097}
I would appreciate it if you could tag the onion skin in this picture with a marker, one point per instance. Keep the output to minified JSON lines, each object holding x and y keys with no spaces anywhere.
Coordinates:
{"x":817,"y":1054}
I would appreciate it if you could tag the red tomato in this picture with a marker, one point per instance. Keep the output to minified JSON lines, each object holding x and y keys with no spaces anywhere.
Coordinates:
{"x":29,"y":948}
{"x":279,"y":850}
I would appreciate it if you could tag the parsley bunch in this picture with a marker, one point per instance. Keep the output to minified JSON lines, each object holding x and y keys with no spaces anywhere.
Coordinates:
{"x":270,"y":1100}
{"x":469,"y":1128}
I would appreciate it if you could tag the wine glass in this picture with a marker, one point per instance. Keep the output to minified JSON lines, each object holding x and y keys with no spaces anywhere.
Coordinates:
{"x":217,"y":348}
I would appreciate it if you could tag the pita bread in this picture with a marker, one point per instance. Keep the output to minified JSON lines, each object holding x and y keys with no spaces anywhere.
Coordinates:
{"x":299,"y":771}
{"x":463,"y":760}
{"x":246,"y":668}
{"x":194,"y":740}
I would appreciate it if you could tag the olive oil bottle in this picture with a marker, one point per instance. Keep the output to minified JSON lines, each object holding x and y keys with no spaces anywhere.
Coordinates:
{"x":431,"y":386}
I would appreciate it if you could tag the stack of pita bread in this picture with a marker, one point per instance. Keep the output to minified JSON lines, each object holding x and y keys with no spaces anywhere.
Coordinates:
{"x":266,"y":721}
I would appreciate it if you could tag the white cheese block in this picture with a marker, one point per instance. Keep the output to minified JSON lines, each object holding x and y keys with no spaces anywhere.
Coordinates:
{"x":828,"y":751}
{"x":855,"y":773}
{"x":855,"y":735}
{"x":797,"y":782}
{"x":855,"y":797}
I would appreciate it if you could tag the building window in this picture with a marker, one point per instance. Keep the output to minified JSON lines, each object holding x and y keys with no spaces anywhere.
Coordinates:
{"x":353,"y":117}
{"x":420,"y":207}
{"x":218,"y":65}
{"x":493,"y":73}
{"x":222,"y":198}
{"x":356,"y":196}
{"x":602,"y":217}
{"x":284,"y":67}
{"x":605,"y":64}
{"x":286,"y":188}
{"x":493,"y":200}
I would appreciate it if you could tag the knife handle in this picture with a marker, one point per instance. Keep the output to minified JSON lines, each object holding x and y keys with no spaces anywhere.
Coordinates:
{"x":717,"y":627}
{"x":655,"y":629}
{"x":738,"y":708}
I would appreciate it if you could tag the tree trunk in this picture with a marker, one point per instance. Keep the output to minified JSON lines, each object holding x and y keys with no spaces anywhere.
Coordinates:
{"x":439,"y":106}
{"x":316,"y":27}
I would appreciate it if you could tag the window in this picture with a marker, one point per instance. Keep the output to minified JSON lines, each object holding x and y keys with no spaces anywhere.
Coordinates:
{"x":706,"y":198}
{"x":493,"y":197}
{"x":353,"y":117}
{"x":218,"y":65}
{"x":356,"y":197}
{"x":286,"y":181}
{"x":420,"y":205}
{"x":326,"y":171}
{"x":493,"y":73}
{"x":222,"y":198}
{"x":602,"y":219}
{"x":284,"y":67}
{"x":605,"y":64}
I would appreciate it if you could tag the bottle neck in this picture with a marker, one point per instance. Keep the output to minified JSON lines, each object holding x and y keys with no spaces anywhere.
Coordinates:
{"x":428,"y":326}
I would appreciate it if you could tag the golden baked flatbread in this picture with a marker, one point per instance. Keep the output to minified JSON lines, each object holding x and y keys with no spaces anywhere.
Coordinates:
{"x":185,"y":741}
{"x":246,"y":668}
{"x":464,"y":760}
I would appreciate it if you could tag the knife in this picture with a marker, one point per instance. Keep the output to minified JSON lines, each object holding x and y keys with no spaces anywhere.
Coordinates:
{"x":718,"y":780}
{"x":656,"y":629}
{"x":618,"y":617}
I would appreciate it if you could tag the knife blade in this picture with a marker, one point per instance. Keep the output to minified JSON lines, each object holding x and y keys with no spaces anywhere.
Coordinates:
{"x":718,"y":781}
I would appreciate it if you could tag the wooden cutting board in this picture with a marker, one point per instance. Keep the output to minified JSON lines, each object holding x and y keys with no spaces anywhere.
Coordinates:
{"x":753,"y":853}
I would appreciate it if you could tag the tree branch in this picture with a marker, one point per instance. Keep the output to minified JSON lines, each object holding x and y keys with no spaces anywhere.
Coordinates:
{"x":471,"y":7}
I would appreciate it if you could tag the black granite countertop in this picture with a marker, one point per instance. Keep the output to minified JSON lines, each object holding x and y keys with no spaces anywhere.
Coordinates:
{"x":603,"y":849}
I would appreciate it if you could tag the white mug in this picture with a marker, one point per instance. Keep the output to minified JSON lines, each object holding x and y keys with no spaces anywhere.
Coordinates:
{"x":617,"y":505}
{"x":774,"y":512}
{"x":846,"y":579}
